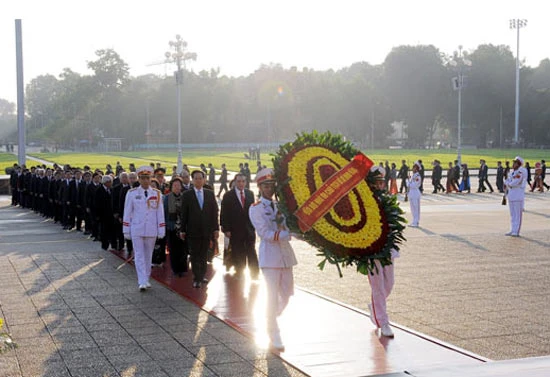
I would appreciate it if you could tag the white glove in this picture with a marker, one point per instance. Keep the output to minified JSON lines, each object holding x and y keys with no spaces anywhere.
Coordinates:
{"x":127,"y":236}
{"x":284,"y":235}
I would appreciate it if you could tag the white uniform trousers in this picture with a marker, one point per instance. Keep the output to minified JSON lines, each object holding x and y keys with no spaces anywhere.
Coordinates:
{"x":143,"y":251}
{"x":381,"y":285}
{"x":516,"y":213}
{"x":415,"y":210}
{"x":280,"y":286}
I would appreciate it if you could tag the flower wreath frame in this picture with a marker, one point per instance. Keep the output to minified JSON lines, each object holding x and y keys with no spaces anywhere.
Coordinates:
{"x":393,"y":222}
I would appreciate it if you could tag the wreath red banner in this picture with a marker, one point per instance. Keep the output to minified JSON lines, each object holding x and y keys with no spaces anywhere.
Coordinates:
{"x":332,"y":191}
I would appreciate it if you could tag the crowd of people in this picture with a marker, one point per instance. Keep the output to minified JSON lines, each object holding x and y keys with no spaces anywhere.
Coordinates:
{"x":457,"y":178}
{"x":137,"y":211}
{"x":141,"y":214}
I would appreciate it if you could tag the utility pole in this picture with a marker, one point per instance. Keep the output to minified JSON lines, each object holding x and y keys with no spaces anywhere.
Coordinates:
{"x":517,"y":24}
{"x":20,"y":94}
{"x":179,"y":56}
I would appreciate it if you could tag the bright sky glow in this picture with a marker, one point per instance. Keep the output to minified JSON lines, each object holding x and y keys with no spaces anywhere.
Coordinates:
{"x":238,"y":36}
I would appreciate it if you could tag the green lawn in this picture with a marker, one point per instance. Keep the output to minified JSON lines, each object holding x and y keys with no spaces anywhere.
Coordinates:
{"x":167,"y":159}
{"x":232,"y":158}
{"x":6,"y":161}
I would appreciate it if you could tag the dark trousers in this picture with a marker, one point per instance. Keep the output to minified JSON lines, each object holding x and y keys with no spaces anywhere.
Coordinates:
{"x":14,"y":196}
{"x":223,"y":186}
{"x":78,"y":216}
{"x":482,"y":183}
{"x":106,"y":232}
{"x":179,"y":251}
{"x":241,"y":252}
{"x":129,"y":247}
{"x":500,"y":184}
{"x":66,"y":215}
{"x":403,"y":185}
{"x":95,"y":227}
{"x":198,"y":248}
{"x":118,"y":235}
{"x":88,"y":221}
{"x":58,"y":212}
{"x":437,"y":185}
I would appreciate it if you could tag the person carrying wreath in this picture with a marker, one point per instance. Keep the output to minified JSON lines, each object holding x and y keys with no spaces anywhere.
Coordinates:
{"x":276,"y":254}
{"x":381,"y":283}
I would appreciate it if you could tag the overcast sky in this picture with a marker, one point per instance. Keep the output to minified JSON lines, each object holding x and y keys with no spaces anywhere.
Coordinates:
{"x":238,"y":36}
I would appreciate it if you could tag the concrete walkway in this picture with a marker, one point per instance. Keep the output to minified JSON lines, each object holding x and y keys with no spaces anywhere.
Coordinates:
{"x":73,"y":312}
{"x":459,"y":279}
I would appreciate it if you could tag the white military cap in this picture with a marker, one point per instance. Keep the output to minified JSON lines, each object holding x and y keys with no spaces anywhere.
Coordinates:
{"x":417,"y":163}
{"x":378,"y":172}
{"x":520,"y":160}
{"x":265,"y":175}
{"x":144,"y":170}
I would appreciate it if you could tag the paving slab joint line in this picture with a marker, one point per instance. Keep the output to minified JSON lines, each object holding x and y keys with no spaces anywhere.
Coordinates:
{"x":228,"y":322}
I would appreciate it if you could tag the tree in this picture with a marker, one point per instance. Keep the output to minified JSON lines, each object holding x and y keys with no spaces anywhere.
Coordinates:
{"x":415,"y":83}
{"x":110,"y":71}
{"x":489,"y":87}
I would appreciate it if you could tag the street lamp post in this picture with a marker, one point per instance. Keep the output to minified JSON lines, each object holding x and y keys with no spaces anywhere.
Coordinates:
{"x":460,"y":63}
{"x":179,"y":56}
{"x":517,"y":24}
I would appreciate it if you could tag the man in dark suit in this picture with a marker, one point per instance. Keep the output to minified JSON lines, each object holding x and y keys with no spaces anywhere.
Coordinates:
{"x":104,"y":212}
{"x":91,"y":190}
{"x":186,"y":178}
{"x":65,"y":195}
{"x":13,"y":184}
{"x":199,"y":224}
{"x":404,"y":175}
{"x":77,"y":213}
{"x":456,"y":174}
{"x":223,"y":181}
{"x":500,"y":177}
{"x":437,"y":174}
{"x":117,"y":224}
{"x":483,"y":176}
{"x":211,"y":175}
{"x":237,"y":227}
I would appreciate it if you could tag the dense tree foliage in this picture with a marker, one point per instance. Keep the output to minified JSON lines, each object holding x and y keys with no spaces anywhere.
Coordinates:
{"x":362,"y":102}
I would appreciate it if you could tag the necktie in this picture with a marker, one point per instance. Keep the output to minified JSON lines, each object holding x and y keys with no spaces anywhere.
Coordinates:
{"x":272,"y":206}
{"x":199,"y":196}
{"x":242,"y":198}
{"x":145,"y":193}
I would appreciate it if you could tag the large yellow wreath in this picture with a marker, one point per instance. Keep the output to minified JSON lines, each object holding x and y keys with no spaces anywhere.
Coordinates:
{"x":364,"y":236}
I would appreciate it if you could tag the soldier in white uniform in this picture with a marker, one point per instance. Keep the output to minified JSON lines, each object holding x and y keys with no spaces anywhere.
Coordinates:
{"x":143,"y":223}
{"x":413,"y":185}
{"x":381,"y":282}
{"x":515,"y":187}
{"x":276,"y":257}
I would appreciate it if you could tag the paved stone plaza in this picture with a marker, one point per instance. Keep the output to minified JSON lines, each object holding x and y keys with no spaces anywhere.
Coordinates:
{"x":459,"y":279}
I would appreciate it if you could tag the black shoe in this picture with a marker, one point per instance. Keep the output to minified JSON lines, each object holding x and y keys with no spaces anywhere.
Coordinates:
{"x":86,"y":233}
{"x":196,"y":284}
{"x":205,"y":281}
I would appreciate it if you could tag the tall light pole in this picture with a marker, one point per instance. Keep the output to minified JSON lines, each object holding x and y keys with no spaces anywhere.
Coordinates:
{"x":459,"y":62}
{"x":21,"y":140}
{"x":179,"y":56}
{"x":517,"y":24}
